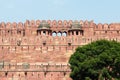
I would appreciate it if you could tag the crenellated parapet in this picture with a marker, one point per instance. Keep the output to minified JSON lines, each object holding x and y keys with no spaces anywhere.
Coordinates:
{"x":33,"y":23}
{"x":55,"y":23}
{"x":53,"y":29}
{"x":50,"y":27}
{"x":107,"y":30}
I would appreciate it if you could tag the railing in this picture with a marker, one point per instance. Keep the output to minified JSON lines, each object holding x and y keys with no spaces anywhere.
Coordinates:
{"x":35,"y":68}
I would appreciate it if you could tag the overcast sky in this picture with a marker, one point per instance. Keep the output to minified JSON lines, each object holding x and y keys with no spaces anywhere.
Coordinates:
{"x":101,"y":11}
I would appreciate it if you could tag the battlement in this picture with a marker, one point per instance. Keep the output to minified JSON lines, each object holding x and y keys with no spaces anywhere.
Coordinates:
{"x":57,"y":28}
{"x":53,"y":23}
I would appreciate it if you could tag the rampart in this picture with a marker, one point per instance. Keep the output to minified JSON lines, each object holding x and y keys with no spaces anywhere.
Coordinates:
{"x":40,"y":49}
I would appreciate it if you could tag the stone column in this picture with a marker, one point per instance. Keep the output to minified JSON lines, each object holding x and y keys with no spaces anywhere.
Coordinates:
{"x":79,"y":33}
{"x":75,"y":33}
{"x":46,"y":32}
{"x":70,"y":33}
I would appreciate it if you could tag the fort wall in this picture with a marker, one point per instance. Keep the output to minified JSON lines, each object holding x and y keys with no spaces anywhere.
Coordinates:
{"x":48,"y":42}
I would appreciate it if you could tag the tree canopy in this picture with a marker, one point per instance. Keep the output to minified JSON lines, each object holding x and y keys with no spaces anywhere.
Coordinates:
{"x":98,"y":60}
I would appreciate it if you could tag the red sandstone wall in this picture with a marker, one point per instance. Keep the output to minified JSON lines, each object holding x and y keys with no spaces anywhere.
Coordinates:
{"x":25,"y":42}
{"x":37,"y":71}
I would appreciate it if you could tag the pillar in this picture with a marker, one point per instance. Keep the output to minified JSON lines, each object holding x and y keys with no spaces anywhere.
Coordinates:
{"x":46,"y":32}
{"x":70,"y":33}
{"x":79,"y":33}
{"x":74,"y":32}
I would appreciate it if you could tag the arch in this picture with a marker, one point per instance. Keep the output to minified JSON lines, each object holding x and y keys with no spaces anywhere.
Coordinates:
{"x":64,"y":34}
{"x":6,"y":74}
{"x":44,"y":32}
{"x":25,"y":73}
{"x":54,"y":34}
{"x":59,"y":34}
{"x":77,"y":32}
{"x":18,"y":31}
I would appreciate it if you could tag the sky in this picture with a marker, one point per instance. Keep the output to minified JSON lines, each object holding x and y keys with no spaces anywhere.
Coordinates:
{"x":100,"y":11}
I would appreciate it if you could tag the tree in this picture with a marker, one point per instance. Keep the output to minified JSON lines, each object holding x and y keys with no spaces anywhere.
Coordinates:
{"x":98,"y":60}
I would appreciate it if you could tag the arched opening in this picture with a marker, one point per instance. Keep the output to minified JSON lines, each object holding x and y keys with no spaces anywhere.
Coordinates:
{"x":19,"y":32}
{"x":6,"y":73}
{"x":105,"y":32}
{"x":117,"y":32}
{"x":69,"y":44}
{"x":38,"y":32}
{"x":54,"y":34}
{"x":76,"y":32}
{"x":64,"y":34}
{"x":18,"y":75}
{"x":59,"y":34}
{"x":8,"y":31}
{"x":64,"y":73}
{"x":44,"y":43}
{"x":25,"y":73}
{"x":44,"y":32}
{"x":45,"y":73}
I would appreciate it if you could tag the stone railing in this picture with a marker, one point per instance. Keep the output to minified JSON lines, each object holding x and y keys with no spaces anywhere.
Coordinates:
{"x":35,"y":68}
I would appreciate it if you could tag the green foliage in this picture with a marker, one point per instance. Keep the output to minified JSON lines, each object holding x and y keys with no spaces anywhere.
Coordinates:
{"x":98,"y":60}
